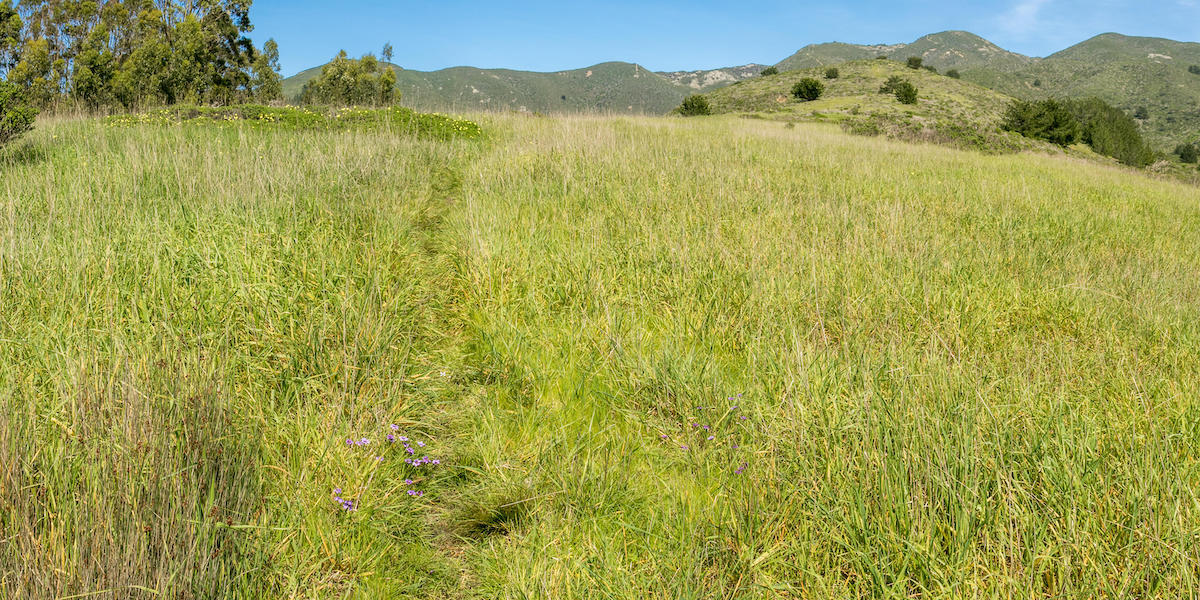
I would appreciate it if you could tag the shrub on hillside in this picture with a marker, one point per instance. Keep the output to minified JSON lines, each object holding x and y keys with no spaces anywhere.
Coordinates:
{"x":881,"y":57}
{"x":930,"y":69}
{"x":906,"y":93}
{"x":1048,"y":120}
{"x":769,"y":71}
{"x":901,"y":88}
{"x":1111,"y":132}
{"x":1194,"y":69}
{"x":1142,"y":113}
{"x":954,"y":73}
{"x":16,"y":113}
{"x":694,"y":106}
{"x":915,"y":62}
{"x":808,"y":89}
{"x":1037,"y":83}
{"x":832,"y":73}
{"x":1188,"y":153}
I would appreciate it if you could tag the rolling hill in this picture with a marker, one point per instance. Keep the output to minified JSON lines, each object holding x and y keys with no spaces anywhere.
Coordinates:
{"x":1128,"y":72}
{"x":945,"y":50}
{"x":612,"y":86}
{"x":948,"y":110}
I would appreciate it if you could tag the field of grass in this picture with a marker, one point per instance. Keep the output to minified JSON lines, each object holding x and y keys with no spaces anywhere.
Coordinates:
{"x":654,"y":358}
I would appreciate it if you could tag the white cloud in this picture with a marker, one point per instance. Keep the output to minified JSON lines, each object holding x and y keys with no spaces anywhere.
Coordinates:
{"x":1023,"y":17}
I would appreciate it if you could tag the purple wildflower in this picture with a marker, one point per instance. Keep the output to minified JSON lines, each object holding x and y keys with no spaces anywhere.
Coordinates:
{"x":337,"y":491}
{"x":391,"y":438}
{"x":421,"y":444}
{"x":410,"y":450}
{"x":349,"y":442}
{"x":364,"y":441}
{"x":683,"y":447}
{"x":436,"y":461}
{"x":712,"y":437}
{"x":395,"y":427}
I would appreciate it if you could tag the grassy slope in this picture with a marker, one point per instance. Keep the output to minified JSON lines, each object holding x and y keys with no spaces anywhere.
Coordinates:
{"x":853,"y":99}
{"x":608,"y":87}
{"x":961,"y":375}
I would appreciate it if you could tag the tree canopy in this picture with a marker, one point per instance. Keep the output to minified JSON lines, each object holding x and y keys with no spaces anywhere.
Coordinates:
{"x":353,"y":82}
{"x":135,"y":53}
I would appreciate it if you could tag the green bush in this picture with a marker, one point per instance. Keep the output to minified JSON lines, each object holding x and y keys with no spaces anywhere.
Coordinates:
{"x":1188,"y":153}
{"x":906,"y":93}
{"x":808,"y":89}
{"x":694,"y":106}
{"x":832,"y":73}
{"x":1048,"y":120}
{"x":930,"y":69}
{"x":915,"y":62}
{"x":954,"y":73}
{"x":881,"y":57}
{"x":16,"y":113}
{"x":1037,"y":83}
{"x":1194,"y":69}
{"x":1111,"y":132}
{"x":1142,"y":113}
{"x":769,"y":71}
{"x":901,"y":88}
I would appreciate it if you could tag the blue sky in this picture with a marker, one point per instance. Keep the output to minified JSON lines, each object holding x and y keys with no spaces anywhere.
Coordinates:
{"x":549,"y":36}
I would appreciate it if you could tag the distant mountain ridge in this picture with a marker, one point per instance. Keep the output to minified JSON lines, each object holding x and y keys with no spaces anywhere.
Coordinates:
{"x":1128,"y":72}
{"x":945,"y":50}
{"x":609,"y":87}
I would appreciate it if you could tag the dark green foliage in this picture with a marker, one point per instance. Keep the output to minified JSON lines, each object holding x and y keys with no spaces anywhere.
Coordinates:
{"x":915,"y":62}
{"x":1108,"y":130}
{"x":1188,"y":153}
{"x":954,"y":74}
{"x":694,"y":106}
{"x":930,"y":69}
{"x":349,"y":82}
{"x":1194,"y":69}
{"x":10,"y":35}
{"x":1111,"y":132}
{"x":881,"y":57}
{"x":1048,"y":120}
{"x":16,"y":115}
{"x":769,"y":71}
{"x":808,"y":89}
{"x":1037,"y":83}
{"x":890,"y":86}
{"x":901,"y":88}
{"x":1142,"y":113}
{"x":832,"y":73}
{"x":134,"y":52}
{"x":906,"y":92}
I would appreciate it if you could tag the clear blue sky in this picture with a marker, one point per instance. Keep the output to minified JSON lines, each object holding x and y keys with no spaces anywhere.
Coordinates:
{"x":549,"y":36}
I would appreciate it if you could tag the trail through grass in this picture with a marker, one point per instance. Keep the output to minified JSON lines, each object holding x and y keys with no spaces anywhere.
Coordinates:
{"x":658,"y":358}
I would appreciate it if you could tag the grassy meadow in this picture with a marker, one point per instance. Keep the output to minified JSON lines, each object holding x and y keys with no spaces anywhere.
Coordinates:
{"x":651,"y":357}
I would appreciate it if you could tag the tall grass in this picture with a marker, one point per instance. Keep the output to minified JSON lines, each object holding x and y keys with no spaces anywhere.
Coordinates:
{"x":925,"y":373}
{"x":960,"y":376}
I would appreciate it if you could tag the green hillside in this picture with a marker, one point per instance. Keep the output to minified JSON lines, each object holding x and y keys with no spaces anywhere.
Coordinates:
{"x":947,"y":109}
{"x":1128,"y":72}
{"x":945,"y":50}
{"x":613,"y":86}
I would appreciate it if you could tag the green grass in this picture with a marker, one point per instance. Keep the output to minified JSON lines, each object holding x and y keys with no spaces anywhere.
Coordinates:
{"x":946,"y":374}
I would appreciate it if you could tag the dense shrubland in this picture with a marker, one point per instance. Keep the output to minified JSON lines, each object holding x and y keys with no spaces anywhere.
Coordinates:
{"x":1108,"y":130}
